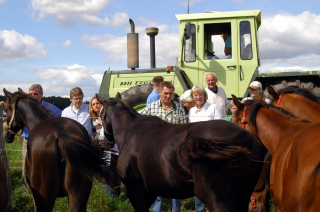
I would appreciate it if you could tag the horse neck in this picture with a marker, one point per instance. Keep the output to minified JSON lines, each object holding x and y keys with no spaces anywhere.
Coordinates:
{"x":120,"y":123}
{"x":31,"y":113}
{"x":271,"y":127}
{"x":301,"y":107}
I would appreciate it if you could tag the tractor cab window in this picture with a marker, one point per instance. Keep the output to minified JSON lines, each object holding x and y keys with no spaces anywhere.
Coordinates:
{"x":190,"y":43}
{"x":245,"y":41}
{"x":217,"y":41}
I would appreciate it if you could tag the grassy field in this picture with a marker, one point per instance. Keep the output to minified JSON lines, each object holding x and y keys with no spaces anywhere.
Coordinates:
{"x":98,"y":200}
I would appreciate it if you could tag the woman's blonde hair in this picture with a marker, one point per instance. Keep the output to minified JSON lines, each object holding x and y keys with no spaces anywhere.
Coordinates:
{"x":199,"y":89}
{"x":93,"y":115}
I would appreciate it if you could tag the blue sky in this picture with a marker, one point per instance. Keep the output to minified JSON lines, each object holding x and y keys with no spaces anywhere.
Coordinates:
{"x":63,"y":44}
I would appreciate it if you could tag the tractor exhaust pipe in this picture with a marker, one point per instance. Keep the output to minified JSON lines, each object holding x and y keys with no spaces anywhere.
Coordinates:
{"x":152,"y":32}
{"x":132,"y":48}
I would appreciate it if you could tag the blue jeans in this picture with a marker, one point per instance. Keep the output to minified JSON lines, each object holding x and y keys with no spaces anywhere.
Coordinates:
{"x":198,"y":205}
{"x":157,"y":205}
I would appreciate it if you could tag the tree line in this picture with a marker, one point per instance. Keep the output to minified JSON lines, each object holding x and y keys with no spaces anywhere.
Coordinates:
{"x":58,"y":101}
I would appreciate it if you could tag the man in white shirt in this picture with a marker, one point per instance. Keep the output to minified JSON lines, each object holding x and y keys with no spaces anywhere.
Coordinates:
{"x":78,"y":111}
{"x":216,"y":95}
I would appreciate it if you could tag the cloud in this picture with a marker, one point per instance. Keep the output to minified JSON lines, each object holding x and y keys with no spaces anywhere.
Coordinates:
{"x":59,"y":81}
{"x":1,"y":1}
{"x":283,"y":35}
{"x":67,"y":43}
{"x":167,"y":45}
{"x":71,"y":12}
{"x":14,"y":46}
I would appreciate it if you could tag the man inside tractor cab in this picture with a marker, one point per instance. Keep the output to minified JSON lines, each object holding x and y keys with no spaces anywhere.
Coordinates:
{"x":226,"y":36}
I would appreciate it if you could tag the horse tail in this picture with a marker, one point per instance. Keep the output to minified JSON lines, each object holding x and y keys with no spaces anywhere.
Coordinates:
{"x":197,"y":150}
{"x":88,"y":158}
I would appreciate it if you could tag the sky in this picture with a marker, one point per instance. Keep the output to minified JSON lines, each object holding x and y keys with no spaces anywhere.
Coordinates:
{"x":62,"y":44}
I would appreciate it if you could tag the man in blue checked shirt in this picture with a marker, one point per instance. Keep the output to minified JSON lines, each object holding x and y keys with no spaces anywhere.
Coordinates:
{"x":171,"y":112}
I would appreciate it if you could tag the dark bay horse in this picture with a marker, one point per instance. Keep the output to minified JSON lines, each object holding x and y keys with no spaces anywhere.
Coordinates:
{"x":61,"y":159}
{"x":294,"y":145}
{"x":217,"y":161}
{"x":298,"y":101}
{"x":4,"y":193}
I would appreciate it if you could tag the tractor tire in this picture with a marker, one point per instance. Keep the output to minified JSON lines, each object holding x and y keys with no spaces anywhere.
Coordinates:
{"x":137,"y":96}
{"x":309,"y":85}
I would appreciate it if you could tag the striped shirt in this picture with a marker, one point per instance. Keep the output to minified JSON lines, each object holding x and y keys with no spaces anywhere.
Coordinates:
{"x":176,"y":114}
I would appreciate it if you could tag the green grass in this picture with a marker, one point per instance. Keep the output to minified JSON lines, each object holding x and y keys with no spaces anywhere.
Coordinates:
{"x":98,"y":201}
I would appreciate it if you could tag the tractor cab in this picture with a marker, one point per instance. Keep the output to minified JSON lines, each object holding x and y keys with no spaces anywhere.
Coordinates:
{"x":202,"y":48}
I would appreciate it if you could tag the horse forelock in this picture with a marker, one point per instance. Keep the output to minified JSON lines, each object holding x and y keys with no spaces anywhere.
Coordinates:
{"x":299,"y":91}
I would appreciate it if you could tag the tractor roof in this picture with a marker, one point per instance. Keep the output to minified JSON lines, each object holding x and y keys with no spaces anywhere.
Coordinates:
{"x":217,"y":15}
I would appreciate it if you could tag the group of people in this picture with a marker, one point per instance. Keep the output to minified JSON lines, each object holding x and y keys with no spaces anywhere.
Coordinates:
{"x":197,"y":104}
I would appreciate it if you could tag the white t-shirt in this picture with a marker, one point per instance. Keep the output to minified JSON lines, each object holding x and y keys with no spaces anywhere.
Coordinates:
{"x":219,"y":99}
{"x":264,"y":99}
{"x":206,"y":113}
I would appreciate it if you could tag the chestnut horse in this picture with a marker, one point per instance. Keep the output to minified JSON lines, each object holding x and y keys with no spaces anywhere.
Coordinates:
{"x":217,"y":161}
{"x":298,"y":101}
{"x":4,"y":193}
{"x":294,"y":145}
{"x":61,"y":158}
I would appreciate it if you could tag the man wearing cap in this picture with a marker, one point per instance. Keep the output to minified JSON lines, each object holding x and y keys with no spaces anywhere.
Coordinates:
{"x":255,"y":91}
{"x":216,"y":95}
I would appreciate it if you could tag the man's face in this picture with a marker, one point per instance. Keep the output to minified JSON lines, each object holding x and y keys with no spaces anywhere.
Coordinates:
{"x":255,"y":93}
{"x":77,"y":101}
{"x":166,"y":95}
{"x":233,"y":109}
{"x":211,"y":81}
{"x":36,"y":93}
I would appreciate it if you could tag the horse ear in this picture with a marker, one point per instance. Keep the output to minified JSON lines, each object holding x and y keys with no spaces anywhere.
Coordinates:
{"x":237,"y":103}
{"x":100,"y":99}
{"x":7,"y":93}
{"x":261,"y":96}
{"x":118,"y":96}
{"x":20,"y":90}
{"x":272,"y":92}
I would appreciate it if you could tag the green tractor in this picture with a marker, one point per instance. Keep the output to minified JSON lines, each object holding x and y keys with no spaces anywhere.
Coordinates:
{"x":200,"y":52}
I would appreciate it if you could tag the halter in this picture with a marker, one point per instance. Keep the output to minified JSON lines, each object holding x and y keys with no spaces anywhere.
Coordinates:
{"x":106,"y":133}
{"x":279,"y":100}
{"x":244,"y":120}
{"x":13,"y":119}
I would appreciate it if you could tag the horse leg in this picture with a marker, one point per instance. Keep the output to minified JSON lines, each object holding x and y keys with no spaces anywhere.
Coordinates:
{"x":140,"y":199}
{"x":78,"y":189}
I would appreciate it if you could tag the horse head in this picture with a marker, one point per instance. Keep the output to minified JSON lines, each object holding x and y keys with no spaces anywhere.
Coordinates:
{"x":106,"y":123}
{"x":14,"y":121}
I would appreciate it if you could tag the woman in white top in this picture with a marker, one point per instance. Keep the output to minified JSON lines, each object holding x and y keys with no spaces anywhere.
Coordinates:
{"x":202,"y":111}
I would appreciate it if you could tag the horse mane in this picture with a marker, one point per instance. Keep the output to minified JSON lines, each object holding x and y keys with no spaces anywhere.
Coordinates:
{"x":129,"y":111}
{"x":254,"y":106}
{"x":19,"y":95}
{"x":300,"y":91}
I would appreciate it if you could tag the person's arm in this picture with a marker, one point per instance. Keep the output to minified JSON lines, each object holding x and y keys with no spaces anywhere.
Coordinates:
{"x":227,"y":48}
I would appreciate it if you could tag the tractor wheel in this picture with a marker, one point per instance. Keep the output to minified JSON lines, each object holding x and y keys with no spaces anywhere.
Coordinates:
{"x":137,"y":96}
{"x":284,"y":83}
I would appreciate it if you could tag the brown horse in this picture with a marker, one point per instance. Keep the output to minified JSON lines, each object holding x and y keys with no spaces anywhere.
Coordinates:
{"x":294,"y":145}
{"x":61,"y":159}
{"x":298,"y":101}
{"x":217,"y":161}
{"x":4,"y":193}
